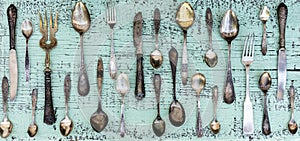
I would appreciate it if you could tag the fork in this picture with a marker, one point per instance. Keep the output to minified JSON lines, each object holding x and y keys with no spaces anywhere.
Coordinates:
{"x":247,"y":59}
{"x":111,"y":20}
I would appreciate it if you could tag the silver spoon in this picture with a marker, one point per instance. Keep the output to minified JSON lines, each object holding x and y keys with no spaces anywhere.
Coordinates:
{"x":292,"y":125}
{"x":198,"y":83}
{"x":66,"y":124}
{"x":99,"y":119}
{"x":33,"y":128}
{"x":27,"y":31}
{"x":211,"y":57}
{"x":265,"y":82}
{"x":185,"y":18}
{"x":176,"y":110}
{"x":81,"y":23}
{"x":122,"y":87}
{"x":6,"y":125}
{"x":264,"y":16}
{"x":229,"y":30}
{"x":156,"y":57}
{"x":158,"y":124}
{"x":215,"y":124}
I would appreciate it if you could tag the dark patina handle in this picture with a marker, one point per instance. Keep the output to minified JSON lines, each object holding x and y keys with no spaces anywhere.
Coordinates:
{"x":12,"y":17}
{"x":266,"y":128}
{"x":49,"y":114}
{"x":282,"y":12}
{"x":140,"y":86}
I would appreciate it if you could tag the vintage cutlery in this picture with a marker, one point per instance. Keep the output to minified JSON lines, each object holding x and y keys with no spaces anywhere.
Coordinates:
{"x":247,"y":59}
{"x":13,"y":63}
{"x":264,"y":16}
{"x":111,"y":19}
{"x":211,"y":57}
{"x":156,"y":57}
{"x":81,"y":23}
{"x":176,"y":110}
{"x":66,"y":124}
{"x":185,"y":18}
{"x":33,"y":128}
{"x":122,"y":87}
{"x":292,"y":125}
{"x":265,"y":82}
{"x":138,"y":43}
{"x":99,"y":119}
{"x":49,"y":115}
{"x":229,"y":30}
{"x":282,"y":12}
{"x":158,"y":124}
{"x":6,"y":125}
{"x":215,"y":124}
{"x":27,"y":30}
{"x":198,"y":83}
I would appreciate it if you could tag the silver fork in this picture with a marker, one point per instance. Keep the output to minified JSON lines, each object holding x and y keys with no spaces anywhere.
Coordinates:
{"x":247,"y":59}
{"x":111,"y":20}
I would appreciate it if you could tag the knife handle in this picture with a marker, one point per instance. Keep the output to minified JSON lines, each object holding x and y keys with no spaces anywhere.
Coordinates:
{"x":12,"y":17}
{"x":49,"y":115}
{"x":282,"y":12}
{"x":139,"y":85}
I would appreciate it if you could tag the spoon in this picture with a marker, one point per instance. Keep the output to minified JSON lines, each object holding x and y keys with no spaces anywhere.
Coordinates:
{"x":99,"y":119}
{"x":6,"y":125}
{"x":211,"y":57}
{"x":229,"y":30}
{"x":176,"y":111}
{"x":293,"y":127}
{"x":158,"y":124}
{"x":265,"y":82}
{"x":66,"y":124}
{"x":264,"y":16}
{"x":198,"y":83}
{"x":27,"y":31}
{"x":185,"y":17}
{"x":81,"y":23}
{"x":214,"y":124}
{"x":33,"y":128}
{"x":156,"y":57}
{"x":122,"y":88}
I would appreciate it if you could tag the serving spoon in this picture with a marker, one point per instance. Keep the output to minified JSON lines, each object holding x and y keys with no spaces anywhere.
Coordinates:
{"x":33,"y":128}
{"x":265,"y":82}
{"x":158,"y":124}
{"x":66,"y":124}
{"x":292,"y":125}
{"x":27,"y":30}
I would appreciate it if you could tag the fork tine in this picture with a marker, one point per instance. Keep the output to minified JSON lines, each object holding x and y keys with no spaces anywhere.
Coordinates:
{"x":252,"y":45}
{"x":115,"y":13}
{"x":244,"y":50}
{"x":41,"y":23}
{"x":55,"y":21}
{"x":50,"y":20}
{"x":45,"y":23}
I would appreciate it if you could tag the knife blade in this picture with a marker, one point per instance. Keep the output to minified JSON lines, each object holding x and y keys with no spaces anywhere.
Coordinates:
{"x":13,"y":63}
{"x":282,"y":12}
{"x":137,"y":39}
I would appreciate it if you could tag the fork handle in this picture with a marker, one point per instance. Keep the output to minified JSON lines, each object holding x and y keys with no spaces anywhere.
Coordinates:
{"x":12,"y":17}
{"x":282,"y":12}
{"x":49,"y":115}
{"x":139,"y":85}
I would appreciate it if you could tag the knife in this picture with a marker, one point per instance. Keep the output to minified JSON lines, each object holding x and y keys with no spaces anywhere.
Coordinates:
{"x":282,"y":12}
{"x":137,"y":39}
{"x":13,"y":64}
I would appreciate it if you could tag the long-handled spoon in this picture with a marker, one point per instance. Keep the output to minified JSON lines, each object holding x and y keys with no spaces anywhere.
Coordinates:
{"x":122,"y":87}
{"x":158,"y":124}
{"x":66,"y":124}
{"x":292,"y":125}
{"x":265,"y":82}
{"x":99,"y":119}
{"x":198,"y":83}
{"x":6,"y":125}
{"x":229,"y":30}
{"x":215,"y":124}
{"x":27,"y":31}
{"x":264,"y":16}
{"x":81,"y":23}
{"x":185,"y":17}
{"x":156,"y":57}
{"x":33,"y":128}
{"x":176,"y":111}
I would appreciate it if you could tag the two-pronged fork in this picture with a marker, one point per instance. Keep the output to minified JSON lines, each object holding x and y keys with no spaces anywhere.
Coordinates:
{"x":111,"y":20}
{"x":247,"y":59}
{"x":49,"y":115}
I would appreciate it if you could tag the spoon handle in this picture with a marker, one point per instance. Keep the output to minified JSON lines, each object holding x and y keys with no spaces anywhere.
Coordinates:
{"x":4,"y":93}
{"x":83,"y":80}
{"x":184,"y":66}
{"x":99,"y":80}
{"x":122,"y":122}
{"x":215,"y":100}
{"x":156,"y":25}
{"x":157,"y":86}
{"x":264,"y":40}
{"x":199,"y":128}
{"x":292,"y":96}
{"x":173,"y":57}
{"x":67,"y":89}
{"x":209,"y":24}
{"x":229,"y":94}
{"x":27,"y":65}
{"x":266,"y":128}
{"x":34,"y":99}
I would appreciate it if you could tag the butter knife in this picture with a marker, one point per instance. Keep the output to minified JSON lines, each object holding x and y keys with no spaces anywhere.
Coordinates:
{"x":282,"y":12}
{"x":137,"y":39}
{"x":13,"y":63}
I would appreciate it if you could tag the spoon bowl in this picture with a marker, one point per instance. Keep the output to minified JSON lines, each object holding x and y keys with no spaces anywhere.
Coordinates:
{"x":32,"y":129}
{"x":66,"y":126}
{"x":211,"y":58}
{"x":215,"y":126}
{"x":229,"y":26}
{"x":293,"y":127}
{"x":264,"y":14}
{"x":26,"y":28}
{"x":156,"y":58}
{"x":158,"y":126}
{"x":198,"y":82}
{"x":265,"y":82}
{"x":176,"y":113}
{"x":5,"y":128}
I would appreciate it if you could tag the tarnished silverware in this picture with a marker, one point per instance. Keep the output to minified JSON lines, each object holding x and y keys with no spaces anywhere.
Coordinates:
{"x":156,"y":57}
{"x":265,"y":82}
{"x":292,"y":124}
{"x":215,"y":125}
{"x":264,"y":16}
{"x":27,"y":30}
{"x":158,"y":124}
{"x":66,"y":124}
{"x":6,"y":125}
{"x":33,"y":128}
